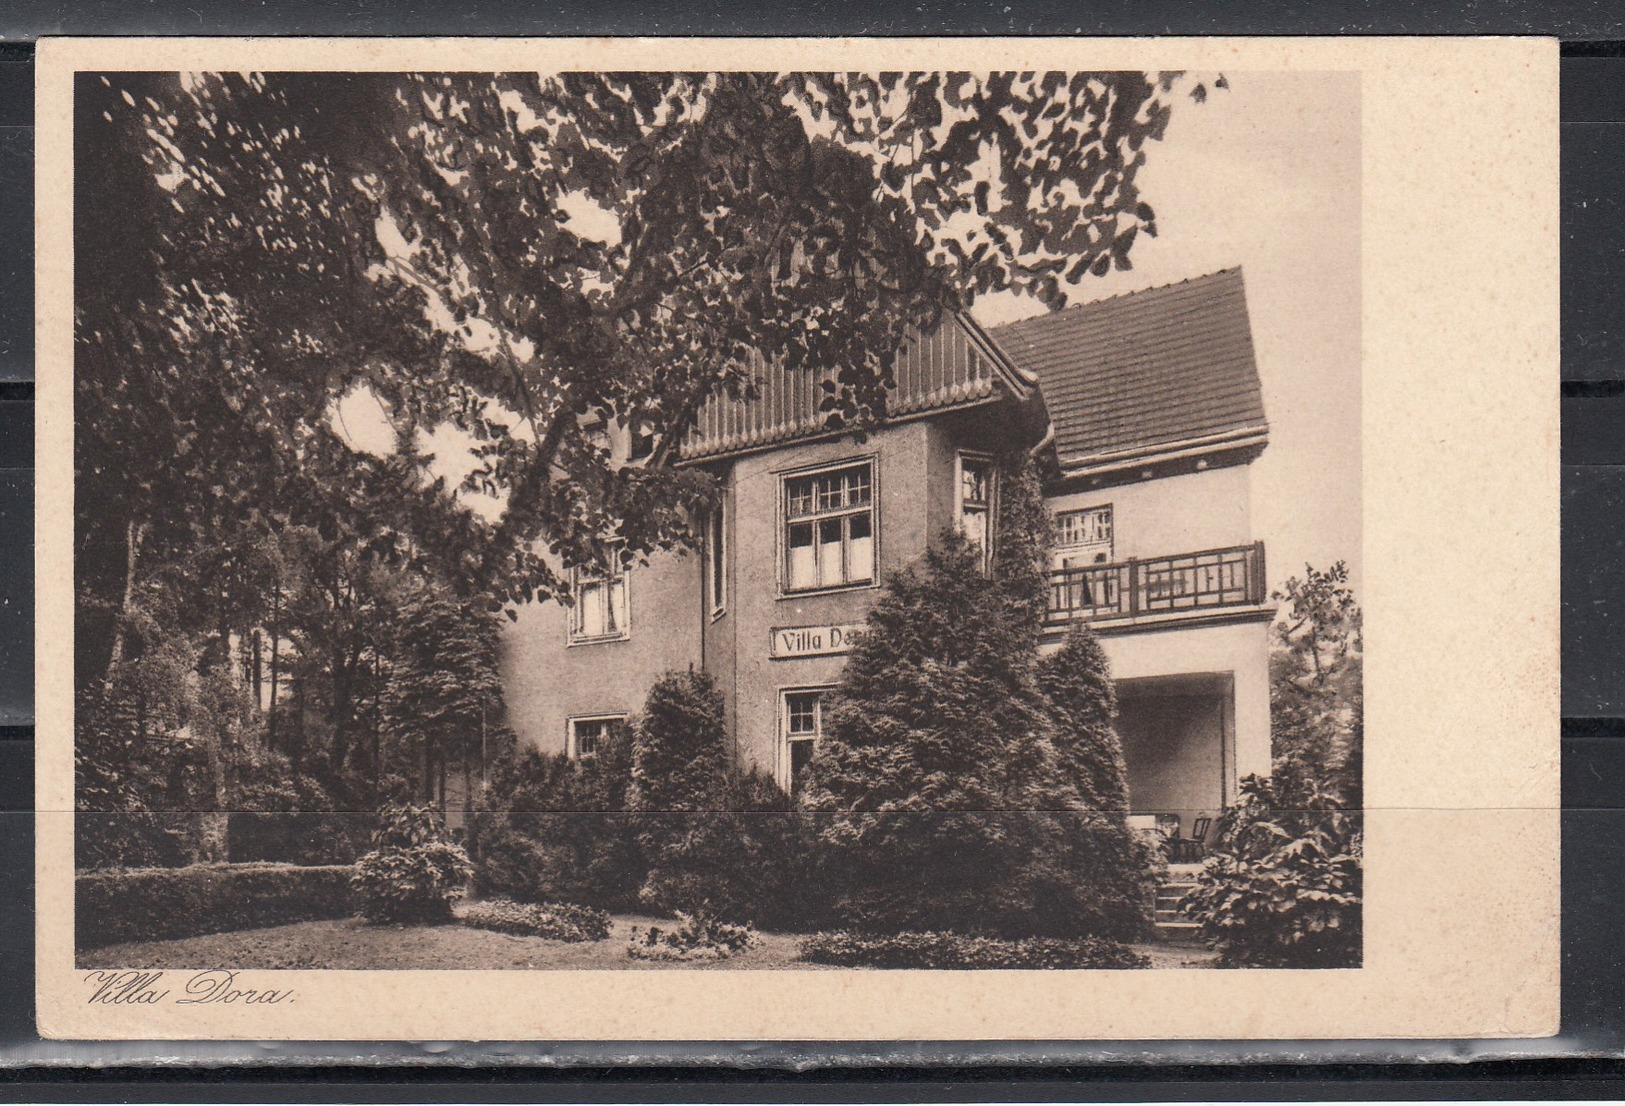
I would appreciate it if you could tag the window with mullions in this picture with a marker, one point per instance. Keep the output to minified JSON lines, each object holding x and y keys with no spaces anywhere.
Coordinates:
{"x":829,"y":529}
{"x":600,"y":610}
{"x":1089,"y":530}
{"x":976,"y":502}
{"x":587,"y":735}
{"x":803,"y":727}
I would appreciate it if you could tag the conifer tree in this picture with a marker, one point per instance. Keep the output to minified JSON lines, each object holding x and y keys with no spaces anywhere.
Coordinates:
{"x":716,"y":841}
{"x":678,"y":753}
{"x":1077,"y":681}
{"x":942,"y":793}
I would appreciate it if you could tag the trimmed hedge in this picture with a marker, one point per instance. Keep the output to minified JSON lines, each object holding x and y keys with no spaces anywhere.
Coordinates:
{"x":954,"y":950}
{"x":556,"y":921}
{"x":158,"y":904}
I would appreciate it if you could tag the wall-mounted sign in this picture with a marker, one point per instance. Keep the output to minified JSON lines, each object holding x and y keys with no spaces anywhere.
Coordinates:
{"x":815,"y":641}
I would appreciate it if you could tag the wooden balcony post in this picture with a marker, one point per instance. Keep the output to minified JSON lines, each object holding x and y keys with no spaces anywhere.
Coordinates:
{"x":1133,"y":565}
{"x":1259,"y":585}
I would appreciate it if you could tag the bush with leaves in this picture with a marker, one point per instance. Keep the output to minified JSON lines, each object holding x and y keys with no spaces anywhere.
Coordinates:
{"x":697,"y":936}
{"x":414,"y":872}
{"x":942,"y":951}
{"x":750,"y":860}
{"x":560,"y":830}
{"x":556,"y":921}
{"x":1283,"y":884}
{"x":943,"y":790}
{"x":1282,"y":888}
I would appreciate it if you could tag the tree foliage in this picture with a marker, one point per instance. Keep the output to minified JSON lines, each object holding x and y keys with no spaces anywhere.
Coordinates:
{"x":444,"y":689}
{"x":526,"y":269}
{"x":531,"y":259}
{"x":1077,"y":681}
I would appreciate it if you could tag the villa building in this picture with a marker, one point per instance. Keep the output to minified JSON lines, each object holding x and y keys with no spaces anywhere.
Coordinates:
{"x":1146,"y":412}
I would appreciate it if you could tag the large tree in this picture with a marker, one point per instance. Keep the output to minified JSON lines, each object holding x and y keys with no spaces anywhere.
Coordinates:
{"x":532,"y":259}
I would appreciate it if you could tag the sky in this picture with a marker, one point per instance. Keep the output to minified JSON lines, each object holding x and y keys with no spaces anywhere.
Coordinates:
{"x":1266,"y":175}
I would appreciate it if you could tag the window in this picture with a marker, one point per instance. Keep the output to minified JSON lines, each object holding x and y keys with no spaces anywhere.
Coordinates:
{"x":829,"y":538}
{"x":803,"y":726}
{"x":716,"y":559}
{"x":642,"y":445}
{"x":587,"y":735}
{"x":600,"y":611}
{"x":1088,"y":531}
{"x":976,"y":502}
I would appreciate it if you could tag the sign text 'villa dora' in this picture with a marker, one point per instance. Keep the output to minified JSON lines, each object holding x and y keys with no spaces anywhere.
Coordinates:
{"x":813,"y":641}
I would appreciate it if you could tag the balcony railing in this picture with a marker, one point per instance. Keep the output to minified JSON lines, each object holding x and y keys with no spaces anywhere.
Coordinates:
{"x":1188,"y":582}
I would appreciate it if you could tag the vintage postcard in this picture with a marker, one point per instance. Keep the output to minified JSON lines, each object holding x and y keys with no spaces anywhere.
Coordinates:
{"x":1011,"y":539}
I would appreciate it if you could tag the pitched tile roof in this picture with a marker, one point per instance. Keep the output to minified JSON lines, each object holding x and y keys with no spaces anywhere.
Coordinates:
{"x":1145,"y":370}
{"x":954,"y":366}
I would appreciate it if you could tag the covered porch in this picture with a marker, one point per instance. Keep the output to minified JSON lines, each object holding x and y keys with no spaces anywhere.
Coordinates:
{"x":1179,"y":743}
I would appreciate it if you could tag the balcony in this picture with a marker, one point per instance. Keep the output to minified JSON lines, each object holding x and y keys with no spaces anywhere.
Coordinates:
{"x":1160,"y":588}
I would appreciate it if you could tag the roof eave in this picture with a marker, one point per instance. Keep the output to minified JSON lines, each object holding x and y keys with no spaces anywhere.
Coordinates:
{"x":1255,"y":436}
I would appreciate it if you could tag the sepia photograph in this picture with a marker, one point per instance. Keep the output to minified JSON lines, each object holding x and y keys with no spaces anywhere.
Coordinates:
{"x":641,"y":535}
{"x":607,"y":520}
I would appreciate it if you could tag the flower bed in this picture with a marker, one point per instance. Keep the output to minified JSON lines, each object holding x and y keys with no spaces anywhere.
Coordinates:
{"x":555,"y":920}
{"x":954,"y":950}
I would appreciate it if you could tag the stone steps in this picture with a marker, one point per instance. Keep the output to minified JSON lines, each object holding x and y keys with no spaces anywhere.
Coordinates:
{"x":1171,"y":922}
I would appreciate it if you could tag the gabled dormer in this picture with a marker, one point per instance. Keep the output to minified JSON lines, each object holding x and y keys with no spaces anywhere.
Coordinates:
{"x":1157,"y":412}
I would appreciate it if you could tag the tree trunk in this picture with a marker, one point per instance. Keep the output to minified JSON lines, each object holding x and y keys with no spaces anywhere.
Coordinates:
{"x":470,"y":836}
{"x":276,"y":630}
{"x":256,"y":666}
{"x":377,"y":728}
{"x":134,"y":532}
{"x":213,"y":841}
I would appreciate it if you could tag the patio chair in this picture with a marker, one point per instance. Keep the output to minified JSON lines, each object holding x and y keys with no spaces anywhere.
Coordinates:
{"x":1191,"y":850}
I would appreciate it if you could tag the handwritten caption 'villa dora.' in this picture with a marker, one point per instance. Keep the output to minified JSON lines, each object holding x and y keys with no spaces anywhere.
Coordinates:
{"x":216,"y":986}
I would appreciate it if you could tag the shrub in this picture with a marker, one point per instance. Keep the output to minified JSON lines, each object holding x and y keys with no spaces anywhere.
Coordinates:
{"x":1283,"y":885}
{"x":299,"y":837}
{"x":750,"y":860}
{"x":133,"y":839}
{"x":155,"y":904}
{"x":413,"y":872}
{"x":555,"y":921}
{"x":953,"y":950}
{"x":679,"y":751}
{"x":562,"y":831}
{"x":699,"y":936}
{"x":1282,"y":888}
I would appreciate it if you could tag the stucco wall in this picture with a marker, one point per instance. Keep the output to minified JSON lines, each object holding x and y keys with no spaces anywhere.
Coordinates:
{"x":1173,"y":514}
{"x":739,"y":647}
{"x":547,"y":681}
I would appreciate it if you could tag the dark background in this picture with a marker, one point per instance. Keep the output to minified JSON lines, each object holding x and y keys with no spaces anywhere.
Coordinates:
{"x":1579,"y":1063}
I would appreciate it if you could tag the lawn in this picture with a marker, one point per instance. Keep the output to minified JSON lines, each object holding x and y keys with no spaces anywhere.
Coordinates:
{"x":350,"y":944}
